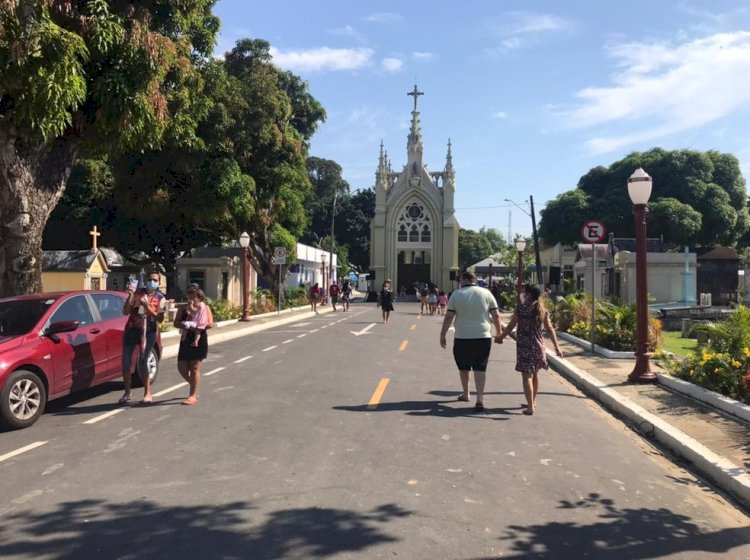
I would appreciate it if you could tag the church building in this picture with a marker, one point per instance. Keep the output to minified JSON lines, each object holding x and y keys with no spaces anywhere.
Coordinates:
{"x":414,"y":233}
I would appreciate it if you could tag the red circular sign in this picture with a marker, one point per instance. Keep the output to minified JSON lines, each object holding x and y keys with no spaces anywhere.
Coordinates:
{"x":593,"y":231}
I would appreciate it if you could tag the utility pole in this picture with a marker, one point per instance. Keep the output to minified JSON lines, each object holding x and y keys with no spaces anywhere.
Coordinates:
{"x":539,"y":278}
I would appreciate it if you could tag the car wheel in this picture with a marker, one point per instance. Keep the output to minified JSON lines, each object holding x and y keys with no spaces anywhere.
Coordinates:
{"x":22,"y":399}
{"x":152,"y":364}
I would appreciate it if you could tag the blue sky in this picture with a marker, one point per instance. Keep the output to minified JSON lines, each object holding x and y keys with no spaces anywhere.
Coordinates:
{"x":532,"y":94}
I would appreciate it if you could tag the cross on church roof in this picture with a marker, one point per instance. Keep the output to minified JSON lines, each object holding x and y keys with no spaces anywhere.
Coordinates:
{"x":94,"y":234}
{"x":415,"y":94}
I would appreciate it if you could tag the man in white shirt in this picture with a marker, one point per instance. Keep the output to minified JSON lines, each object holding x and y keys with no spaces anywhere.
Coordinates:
{"x":474,"y":310}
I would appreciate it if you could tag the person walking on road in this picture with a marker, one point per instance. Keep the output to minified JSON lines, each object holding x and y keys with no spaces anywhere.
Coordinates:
{"x":194,"y":346}
{"x":531,"y":316}
{"x":346,"y":295}
{"x":385,"y":300}
{"x":314,"y":296}
{"x":474,"y":311}
{"x":334,"y":291}
{"x":145,"y":310}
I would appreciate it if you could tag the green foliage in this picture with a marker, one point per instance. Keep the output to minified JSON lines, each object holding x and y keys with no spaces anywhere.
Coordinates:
{"x":223,"y":310}
{"x":729,"y":336}
{"x":296,"y":297}
{"x":496,"y":239}
{"x":722,"y":372}
{"x":472,"y":248}
{"x":698,"y":197}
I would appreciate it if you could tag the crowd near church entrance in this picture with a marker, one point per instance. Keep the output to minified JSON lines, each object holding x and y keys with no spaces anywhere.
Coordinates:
{"x":414,"y":233}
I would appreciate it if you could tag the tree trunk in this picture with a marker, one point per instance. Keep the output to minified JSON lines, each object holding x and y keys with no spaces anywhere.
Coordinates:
{"x":32,"y":180}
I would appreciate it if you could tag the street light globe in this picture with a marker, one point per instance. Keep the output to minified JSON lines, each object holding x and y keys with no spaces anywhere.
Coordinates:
{"x":244,"y":240}
{"x":639,"y":186}
{"x":520,"y":244}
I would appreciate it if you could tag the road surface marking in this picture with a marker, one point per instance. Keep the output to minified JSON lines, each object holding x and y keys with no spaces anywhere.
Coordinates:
{"x":21,"y":450}
{"x":301,"y":324}
{"x":302,"y":335}
{"x":324,"y":326}
{"x":217,"y":370}
{"x":403,"y":346}
{"x":419,"y":317}
{"x":170,"y":389}
{"x":314,"y":330}
{"x":106,"y":415}
{"x":242,"y":360}
{"x":269,"y":348}
{"x":363,"y":331}
{"x":413,"y":327}
{"x":378,"y":394}
{"x":288,"y":341}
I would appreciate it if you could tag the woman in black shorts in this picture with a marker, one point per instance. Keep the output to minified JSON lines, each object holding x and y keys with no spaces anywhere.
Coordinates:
{"x":194,"y":343}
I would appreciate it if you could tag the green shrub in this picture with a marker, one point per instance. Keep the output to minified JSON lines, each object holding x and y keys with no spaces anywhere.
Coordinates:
{"x":716,"y":371}
{"x":222,"y":310}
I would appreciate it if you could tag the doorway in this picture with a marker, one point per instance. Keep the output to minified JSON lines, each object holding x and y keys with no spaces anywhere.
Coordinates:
{"x":413,"y":267}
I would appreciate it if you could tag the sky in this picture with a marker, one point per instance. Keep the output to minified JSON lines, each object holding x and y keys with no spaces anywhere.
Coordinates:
{"x":531,"y":94}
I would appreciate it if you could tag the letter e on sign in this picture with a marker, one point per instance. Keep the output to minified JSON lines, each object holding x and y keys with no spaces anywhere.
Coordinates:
{"x":593,"y":231}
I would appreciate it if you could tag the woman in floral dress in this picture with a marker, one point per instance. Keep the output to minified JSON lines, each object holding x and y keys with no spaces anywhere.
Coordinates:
{"x":532,"y":317}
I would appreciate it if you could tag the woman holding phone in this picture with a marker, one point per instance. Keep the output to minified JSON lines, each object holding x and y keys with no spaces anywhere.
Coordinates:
{"x":145,"y":309}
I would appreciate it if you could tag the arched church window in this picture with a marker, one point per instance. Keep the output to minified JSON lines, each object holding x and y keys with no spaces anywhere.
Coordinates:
{"x":402,"y":233}
{"x":414,"y":224}
{"x":426,"y":236}
{"x":414,"y":234}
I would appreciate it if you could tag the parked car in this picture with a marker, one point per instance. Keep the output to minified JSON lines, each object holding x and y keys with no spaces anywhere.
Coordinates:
{"x":52,"y":345}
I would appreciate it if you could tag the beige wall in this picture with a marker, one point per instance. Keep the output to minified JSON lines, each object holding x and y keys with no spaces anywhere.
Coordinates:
{"x":213,"y":270}
{"x":63,"y":281}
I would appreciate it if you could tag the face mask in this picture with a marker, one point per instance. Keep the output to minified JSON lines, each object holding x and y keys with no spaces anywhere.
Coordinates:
{"x":152,"y":285}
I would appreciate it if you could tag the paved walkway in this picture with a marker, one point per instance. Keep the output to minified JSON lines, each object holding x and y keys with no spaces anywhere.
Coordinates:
{"x":723,"y":441}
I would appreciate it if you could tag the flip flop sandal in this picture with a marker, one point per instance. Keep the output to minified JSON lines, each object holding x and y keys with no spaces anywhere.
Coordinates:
{"x":124,"y":400}
{"x":463,"y":398}
{"x":479,"y":407}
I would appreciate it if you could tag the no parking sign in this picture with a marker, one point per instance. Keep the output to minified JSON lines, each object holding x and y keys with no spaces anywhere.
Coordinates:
{"x":593,"y":232}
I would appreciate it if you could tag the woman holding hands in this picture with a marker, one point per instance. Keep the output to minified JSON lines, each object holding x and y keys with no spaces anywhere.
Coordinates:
{"x":532,"y":317}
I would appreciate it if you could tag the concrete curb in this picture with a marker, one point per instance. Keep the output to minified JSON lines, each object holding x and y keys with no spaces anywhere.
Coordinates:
{"x":604,"y":352}
{"x":730,"y":406}
{"x":728,"y":476}
{"x":170,"y":350}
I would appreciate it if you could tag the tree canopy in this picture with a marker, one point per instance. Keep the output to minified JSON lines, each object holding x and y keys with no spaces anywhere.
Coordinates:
{"x":697,"y":198}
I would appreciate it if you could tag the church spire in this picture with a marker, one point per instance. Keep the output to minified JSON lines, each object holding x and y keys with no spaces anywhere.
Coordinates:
{"x":414,"y":144}
{"x":382,"y":159}
{"x":449,"y":162}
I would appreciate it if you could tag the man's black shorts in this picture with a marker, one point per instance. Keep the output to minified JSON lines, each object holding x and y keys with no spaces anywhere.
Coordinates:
{"x":472,"y":353}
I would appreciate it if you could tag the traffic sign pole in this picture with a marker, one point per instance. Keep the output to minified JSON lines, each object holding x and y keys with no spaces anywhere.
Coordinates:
{"x":593,"y":231}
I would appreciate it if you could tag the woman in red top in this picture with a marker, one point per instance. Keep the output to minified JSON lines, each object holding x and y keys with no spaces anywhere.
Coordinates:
{"x":314,"y":297}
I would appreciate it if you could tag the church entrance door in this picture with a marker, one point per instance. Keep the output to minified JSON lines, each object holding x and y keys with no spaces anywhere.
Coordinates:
{"x":413,"y":267}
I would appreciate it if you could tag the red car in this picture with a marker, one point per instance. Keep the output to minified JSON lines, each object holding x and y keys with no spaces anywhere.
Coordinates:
{"x":52,"y":345}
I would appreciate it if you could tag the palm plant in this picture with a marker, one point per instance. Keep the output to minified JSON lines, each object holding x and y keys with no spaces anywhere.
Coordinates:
{"x":731,"y":336}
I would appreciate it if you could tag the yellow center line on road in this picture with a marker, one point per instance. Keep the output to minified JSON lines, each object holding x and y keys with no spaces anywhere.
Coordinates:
{"x":413,"y":327}
{"x":378,"y":394}
{"x":403,"y":346}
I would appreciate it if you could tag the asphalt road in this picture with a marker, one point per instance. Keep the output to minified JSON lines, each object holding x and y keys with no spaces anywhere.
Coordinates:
{"x":312,"y":442}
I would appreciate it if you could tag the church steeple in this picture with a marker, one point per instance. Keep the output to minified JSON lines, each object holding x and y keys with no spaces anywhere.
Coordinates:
{"x":414,"y":142}
{"x":449,"y":171}
{"x":449,"y":183}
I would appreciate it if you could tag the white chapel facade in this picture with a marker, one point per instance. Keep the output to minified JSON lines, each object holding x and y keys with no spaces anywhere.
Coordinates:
{"x":414,"y":233}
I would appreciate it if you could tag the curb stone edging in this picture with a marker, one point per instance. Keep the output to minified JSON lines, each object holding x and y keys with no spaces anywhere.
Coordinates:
{"x":611,"y":354}
{"x":730,"y":406}
{"x":727,"y":475}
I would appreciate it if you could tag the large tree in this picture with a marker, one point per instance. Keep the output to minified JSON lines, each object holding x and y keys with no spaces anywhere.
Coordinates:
{"x":85,"y":77}
{"x":472,"y":248}
{"x":698,"y":198}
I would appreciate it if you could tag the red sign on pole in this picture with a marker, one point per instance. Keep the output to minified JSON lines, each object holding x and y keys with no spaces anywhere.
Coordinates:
{"x":593,"y":231}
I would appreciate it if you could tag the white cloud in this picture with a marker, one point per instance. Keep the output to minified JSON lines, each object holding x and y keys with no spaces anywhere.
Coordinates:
{"x":423,"y":56}
{"x":661,"y":89}
{"x":322,"y":59}
{"x":348,"y":31}
{"x":392,"y":64}
{"x":516,"y":30}
{"x":384,"y":17}
{"x":502,"y":115}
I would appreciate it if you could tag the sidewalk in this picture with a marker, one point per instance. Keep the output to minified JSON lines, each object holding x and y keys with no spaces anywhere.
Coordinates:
{"x":714,"y":443}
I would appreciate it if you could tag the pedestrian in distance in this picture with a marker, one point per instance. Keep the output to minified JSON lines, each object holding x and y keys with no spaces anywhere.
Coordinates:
{"x":423,"y":291}
{"x":195,"y":320}
{"x":531,"y":317}
{"x":145,"y":309}
{"x":334,"y":291}
{"x":346,"y":295}
{"x":314,"y":296}
{"x":442,"y":302}
{"x":475,"y":312}
{"x":385,"y":300}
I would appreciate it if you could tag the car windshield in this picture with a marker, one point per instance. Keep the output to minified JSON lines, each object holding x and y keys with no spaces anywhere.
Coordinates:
{"x":18,"y":317}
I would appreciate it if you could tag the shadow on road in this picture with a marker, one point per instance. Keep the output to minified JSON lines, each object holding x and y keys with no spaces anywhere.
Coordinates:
{"x":97,"y":529}
{"x":433,"y":408}
{"x":621,"y":534}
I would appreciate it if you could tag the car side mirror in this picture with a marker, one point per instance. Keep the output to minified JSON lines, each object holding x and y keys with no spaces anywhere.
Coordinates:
{"x":60,"y":327}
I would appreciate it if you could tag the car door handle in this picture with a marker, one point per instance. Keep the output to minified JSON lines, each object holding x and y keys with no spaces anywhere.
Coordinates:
{"x":95,"y":331}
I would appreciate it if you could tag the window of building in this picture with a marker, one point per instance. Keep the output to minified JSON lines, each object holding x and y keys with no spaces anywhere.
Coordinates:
{"x":197,"y":277}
